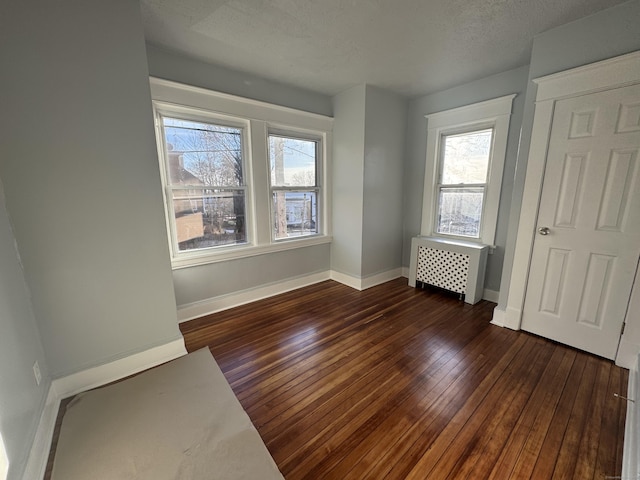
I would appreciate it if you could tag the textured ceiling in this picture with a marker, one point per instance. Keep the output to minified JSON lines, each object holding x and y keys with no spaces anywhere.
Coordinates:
{"x":412,"y":47}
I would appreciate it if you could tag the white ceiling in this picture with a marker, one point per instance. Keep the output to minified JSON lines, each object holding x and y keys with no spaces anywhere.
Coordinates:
{"x":412,"y":47}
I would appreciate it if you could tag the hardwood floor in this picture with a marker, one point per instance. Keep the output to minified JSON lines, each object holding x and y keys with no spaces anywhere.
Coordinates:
{"x":399,"y":383}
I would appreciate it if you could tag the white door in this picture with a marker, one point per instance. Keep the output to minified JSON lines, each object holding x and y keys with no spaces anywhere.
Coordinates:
{"x":587,"y":242}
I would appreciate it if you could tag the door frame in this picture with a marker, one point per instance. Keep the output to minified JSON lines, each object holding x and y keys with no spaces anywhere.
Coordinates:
{"x":605,"y":75}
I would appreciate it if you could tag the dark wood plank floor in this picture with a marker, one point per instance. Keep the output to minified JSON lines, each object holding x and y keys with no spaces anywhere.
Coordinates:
{"x":399,"y":383}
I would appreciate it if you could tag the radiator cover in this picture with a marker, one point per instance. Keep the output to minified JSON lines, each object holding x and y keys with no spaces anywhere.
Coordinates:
{"x":453,"y":265}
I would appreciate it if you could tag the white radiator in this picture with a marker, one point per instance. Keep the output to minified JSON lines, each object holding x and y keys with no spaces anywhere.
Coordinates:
{"x":453,"y":265}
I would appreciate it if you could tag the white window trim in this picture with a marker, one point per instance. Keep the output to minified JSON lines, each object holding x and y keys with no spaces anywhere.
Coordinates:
{"x":261,"y":118}
{"x":595,"y":77}
{"x":494,"y":114}
{"x":320,"y":146}
{"x":173,"y":111}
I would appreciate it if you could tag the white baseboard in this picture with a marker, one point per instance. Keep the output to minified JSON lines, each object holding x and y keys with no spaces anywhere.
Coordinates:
{"x":360,"y":283}
{"x":348,"y":280}
{"x":79,"y":382}
{"x":631,"y":451}
{"x":212,"y":305}
{"x":39,"y":454}
{"x":512,"y":318}
{"x":498,"y":317}
{"x":627,"y":354}
{"x":380,"y":278}
{"x":405,"y":272}
{"x":109,"y":372}
{"x":490,"y":295}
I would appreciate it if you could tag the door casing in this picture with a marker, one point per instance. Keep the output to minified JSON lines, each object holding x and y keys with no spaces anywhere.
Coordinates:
{"x":601,"y":76}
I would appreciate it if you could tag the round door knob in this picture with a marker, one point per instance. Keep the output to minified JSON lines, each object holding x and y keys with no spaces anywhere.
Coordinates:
{"x":544,"y":231}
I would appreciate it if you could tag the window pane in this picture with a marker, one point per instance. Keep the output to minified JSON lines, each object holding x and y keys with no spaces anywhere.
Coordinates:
{"x":465,"y":157}
{"x":292,"y":162}
{"x":459,"y":211}
{"x":203,"y":154}
{"x":209,"y":218}
{"x":295,"y":213}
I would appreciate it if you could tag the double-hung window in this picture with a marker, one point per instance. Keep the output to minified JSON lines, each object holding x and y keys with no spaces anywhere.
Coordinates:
{"x":240,"y":177}
{"x":466,"y":150}
{"x":462,"y":182}
{"x":205,"y":182}
{"x":295,"y":188}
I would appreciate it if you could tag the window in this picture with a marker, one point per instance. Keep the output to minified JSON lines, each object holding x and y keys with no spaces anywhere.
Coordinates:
{"x":466,"y":148}
{"x":294,"y":186}
{"x":463,"y":167}
{"x":205,"y":183}
{"x":240,"y":177}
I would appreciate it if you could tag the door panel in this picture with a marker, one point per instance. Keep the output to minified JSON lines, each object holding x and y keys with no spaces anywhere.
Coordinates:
{"x":582,"y":270}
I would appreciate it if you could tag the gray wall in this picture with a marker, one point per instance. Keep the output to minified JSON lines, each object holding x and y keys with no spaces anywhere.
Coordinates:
{"x":606,"y":34}
{"x":368,"y":148}
{"x":173,"y":66}
{"x":81,"y":178}
{"x":512,"y":81}
{"x":385,"y":126}
{"x":194,"y":284}
{"x":203,"y":282}
{"x":348,"y":186}
{"x":21,"y":400}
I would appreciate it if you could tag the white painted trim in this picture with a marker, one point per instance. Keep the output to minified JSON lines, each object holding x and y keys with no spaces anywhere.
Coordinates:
{"x":202,"y":98}
{"x":78,"y":382}
{"x":471,"y":113}
{"x":512,"y":318}
{"x":193,"y":310}
{"x":256,"y":119}
{"x":362,"y":283}
{"x":629,"y":347}
{"x":602,"y":75}
{"x":631,"y":449}
{"x":529,"y":211}
{"x":498,"y":317}
{"x":405,"y":272}
{"x":223,"y":302}
{"x":112,"y":371}
{"x":379,"y":278}
{"x":490,"y":295}
{"x":496,"y":114}
{"x":39,"y":454}
{"x":348,"y":280}
{"x":627,"y":354}
{"x":248,"y":251}
{"x":607,"y":74}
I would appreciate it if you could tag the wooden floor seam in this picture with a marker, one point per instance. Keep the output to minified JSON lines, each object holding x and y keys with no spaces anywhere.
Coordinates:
{"x":400,"y":383}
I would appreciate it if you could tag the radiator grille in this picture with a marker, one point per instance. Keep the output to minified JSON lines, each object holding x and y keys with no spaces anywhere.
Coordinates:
{"x":454,"y":265}
{"x":442,"y":268}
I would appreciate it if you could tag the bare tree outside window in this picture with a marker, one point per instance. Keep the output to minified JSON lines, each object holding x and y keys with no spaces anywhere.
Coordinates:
{"x":464,"y":166}
{"x":205,"y":177}
{"x":294,"y":186}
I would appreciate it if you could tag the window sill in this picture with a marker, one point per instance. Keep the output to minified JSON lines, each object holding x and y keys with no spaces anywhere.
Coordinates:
{"x":465,"y":241}
{"x":246,"y":251}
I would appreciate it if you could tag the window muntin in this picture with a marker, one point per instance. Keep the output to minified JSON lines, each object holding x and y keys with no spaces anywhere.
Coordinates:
{"x":205,"y":183}
{"x":295,"y":189}
{"x":256,"y":120}
{"x":491,"y":114}
{"x":463,"y":169}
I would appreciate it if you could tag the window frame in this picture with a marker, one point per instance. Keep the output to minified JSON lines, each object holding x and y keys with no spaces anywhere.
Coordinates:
{"x":196,"y":115}
{"x":439,"y":186}
{"x":317,"y":188}
{"x":493,"y":114}
{"x":261,"y":118}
